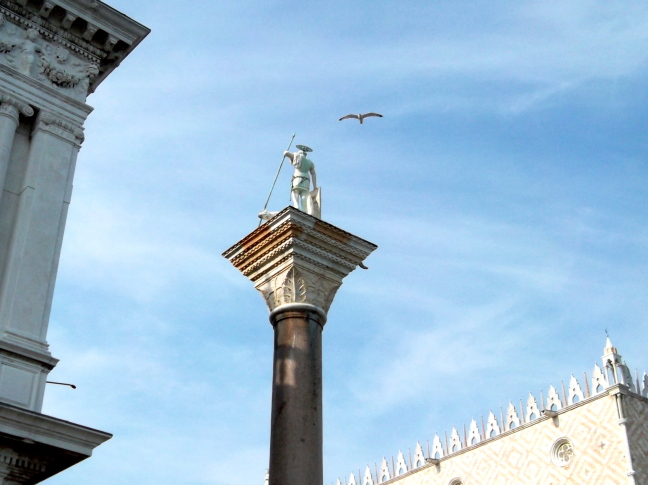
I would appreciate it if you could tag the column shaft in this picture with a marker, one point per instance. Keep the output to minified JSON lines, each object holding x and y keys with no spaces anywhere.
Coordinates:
{"x":27,"y":282}
{"x":8,"y":125}
{"x":35,"y":243}
{"x":296,"y":426}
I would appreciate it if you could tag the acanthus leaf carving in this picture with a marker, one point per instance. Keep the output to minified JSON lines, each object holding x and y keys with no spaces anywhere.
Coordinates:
{"x":296,"y":286}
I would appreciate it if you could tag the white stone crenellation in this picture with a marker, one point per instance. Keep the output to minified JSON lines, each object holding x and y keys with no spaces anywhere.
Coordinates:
{"x":614,"y":371}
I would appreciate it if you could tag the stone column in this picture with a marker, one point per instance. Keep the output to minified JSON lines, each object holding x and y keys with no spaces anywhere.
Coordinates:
{"x":296,"y":419}
{"x":297,"y":262}
{"x":29,"y":275}
{"x":10,"y":108}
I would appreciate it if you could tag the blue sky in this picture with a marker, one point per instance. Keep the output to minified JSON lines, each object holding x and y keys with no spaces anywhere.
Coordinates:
{"x":505,"y":188}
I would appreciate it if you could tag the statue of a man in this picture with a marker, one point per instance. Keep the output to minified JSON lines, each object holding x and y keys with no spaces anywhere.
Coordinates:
{"x":302,"y":197}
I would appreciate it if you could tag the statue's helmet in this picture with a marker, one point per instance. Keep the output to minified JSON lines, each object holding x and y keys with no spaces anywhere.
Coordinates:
{"x":304,"y":148}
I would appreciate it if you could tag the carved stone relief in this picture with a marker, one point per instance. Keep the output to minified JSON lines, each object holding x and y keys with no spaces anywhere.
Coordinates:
{"x":28,"y":53}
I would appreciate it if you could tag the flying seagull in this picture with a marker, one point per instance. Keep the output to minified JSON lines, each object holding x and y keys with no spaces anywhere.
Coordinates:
{"x":360,"y":117}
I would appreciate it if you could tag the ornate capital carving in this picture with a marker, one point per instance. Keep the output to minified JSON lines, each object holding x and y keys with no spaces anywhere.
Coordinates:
{"x":62,"y":128}
{"x":10,"y":111}
{"x":297,"y":258}
{"x":298,"y":286}
{"x":9,"y":104}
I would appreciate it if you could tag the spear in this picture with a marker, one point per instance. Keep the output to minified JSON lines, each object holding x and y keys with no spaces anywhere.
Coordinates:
{"x":276,"y":177}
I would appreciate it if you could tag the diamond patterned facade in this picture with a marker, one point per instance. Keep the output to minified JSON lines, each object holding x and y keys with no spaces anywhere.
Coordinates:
{"x":595,"y":438}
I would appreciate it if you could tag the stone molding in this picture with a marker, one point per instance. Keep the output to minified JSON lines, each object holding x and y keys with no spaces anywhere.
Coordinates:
{"x":296,"y":258}
{"x":26,"y":20}
{"x":298,"y":307}
{"x":33,"y":446}
{"x":67,"y":130}
{"x":9,"y":458}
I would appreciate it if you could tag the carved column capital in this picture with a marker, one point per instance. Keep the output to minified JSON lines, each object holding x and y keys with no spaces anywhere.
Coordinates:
{"x":13,"y":107}
{"x":298,"y":259}
{"x":65,"y":129}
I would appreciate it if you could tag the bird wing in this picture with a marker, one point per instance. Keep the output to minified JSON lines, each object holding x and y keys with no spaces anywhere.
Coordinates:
{"x":372,"y":114}
{"x":356,"y":117}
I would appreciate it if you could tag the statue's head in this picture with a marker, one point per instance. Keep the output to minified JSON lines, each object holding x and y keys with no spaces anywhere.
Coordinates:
{"x":303,"y":149}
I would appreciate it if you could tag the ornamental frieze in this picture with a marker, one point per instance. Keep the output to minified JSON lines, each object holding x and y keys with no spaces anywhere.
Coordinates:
{"x":30,"y":54}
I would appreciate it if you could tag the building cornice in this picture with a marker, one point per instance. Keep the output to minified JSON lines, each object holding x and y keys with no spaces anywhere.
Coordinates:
{"x":89,"y":28}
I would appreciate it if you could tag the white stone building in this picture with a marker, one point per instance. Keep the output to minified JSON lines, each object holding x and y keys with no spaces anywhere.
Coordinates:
{"x":593,"y":431}
{"x":53,"y":54}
